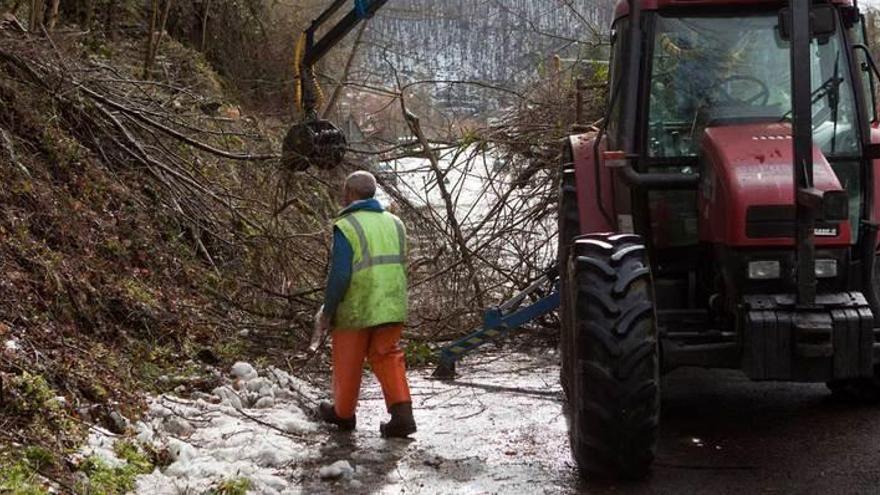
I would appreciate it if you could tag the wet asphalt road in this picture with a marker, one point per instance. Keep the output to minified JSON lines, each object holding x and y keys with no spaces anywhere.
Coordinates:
{"x":499,"y":429}
{"x":722,"y":433}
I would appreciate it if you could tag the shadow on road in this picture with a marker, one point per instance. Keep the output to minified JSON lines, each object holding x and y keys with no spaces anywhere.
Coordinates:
{"x":372,"y":457}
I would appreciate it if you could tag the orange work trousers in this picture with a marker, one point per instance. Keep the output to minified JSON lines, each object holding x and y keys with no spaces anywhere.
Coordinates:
{"x":381,"y":347}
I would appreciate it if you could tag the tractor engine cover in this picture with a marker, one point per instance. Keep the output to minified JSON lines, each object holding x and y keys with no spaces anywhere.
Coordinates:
{"x":317,"y":142}
{"x":748,"y":184}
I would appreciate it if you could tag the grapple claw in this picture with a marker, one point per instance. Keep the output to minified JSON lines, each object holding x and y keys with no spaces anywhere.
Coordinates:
{"x":316,"y":142}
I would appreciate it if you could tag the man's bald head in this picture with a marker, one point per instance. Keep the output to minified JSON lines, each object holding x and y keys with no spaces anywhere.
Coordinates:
{"x":360,"y":185}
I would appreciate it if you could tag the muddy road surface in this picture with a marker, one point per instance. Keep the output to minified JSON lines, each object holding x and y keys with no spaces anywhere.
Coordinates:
{"x":499,"y":429}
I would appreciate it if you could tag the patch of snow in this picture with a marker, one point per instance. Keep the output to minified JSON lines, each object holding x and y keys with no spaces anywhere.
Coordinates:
{"x":228,"y":397}
{"x":264,"y":403}
{"x":258,"y":385}
{"x":243,"y":371}
{"x":178,"y":426}
{"x":100,"y":445}
{"x":144,"y":433}
{"x":339,"y":469}
{"x":292,"y":420}
{"x":181,"y":451}
{"x":255,"y":432}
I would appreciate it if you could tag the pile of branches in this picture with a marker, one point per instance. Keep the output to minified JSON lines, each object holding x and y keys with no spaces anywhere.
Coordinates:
{"x":481,"y":203}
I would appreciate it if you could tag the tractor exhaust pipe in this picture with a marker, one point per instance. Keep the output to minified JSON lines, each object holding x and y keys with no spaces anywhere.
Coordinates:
{"x":808,"y":200}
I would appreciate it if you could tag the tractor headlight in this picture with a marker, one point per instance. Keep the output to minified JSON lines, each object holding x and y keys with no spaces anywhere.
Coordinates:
{"x":764,"y":270}
{"x":826,"y":268}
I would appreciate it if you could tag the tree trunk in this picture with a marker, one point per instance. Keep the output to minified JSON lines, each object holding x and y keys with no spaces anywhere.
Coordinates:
{"x":36,"y":19}
{"x":154,"y":18}
{"x":204,"y":43}
{"x":162,"y":24}
{"x":156,"y":34}
{"x":53,"y":14}
{"x":88,"y":11}
{"x":110,"y":18}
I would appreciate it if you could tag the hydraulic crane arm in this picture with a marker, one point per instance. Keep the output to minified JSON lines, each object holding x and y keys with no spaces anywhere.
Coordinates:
{"x":314,"y":141}
{"x":315,"y":50}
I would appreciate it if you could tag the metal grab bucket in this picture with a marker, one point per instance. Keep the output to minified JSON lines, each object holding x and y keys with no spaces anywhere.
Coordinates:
{"x":317,"y":142}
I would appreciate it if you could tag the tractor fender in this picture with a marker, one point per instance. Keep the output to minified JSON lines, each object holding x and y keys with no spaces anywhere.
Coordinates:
{"x":592,"y":219}
{"x":875,"y":208}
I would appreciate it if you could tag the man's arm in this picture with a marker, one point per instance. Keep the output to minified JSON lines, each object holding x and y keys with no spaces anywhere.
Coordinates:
{"x":340,"y":272}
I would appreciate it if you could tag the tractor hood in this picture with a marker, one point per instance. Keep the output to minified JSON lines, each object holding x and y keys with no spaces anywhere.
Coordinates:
{"x":746,"y":196}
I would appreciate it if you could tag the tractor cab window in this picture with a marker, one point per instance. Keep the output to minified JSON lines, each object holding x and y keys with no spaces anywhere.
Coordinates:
{"x":619,"y":44}
{"x":710,"y":71}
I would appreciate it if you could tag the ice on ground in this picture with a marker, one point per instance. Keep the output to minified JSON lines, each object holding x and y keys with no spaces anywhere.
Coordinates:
{"x":143,"y":433}
{"x":228,"y":397}
{"x":256,"y":430}
{"x":243,"y":371}
{"x":339,"y":469}
{"x":100,"y":445}
{"x":264,"y":403}
{"x":178,"y":427}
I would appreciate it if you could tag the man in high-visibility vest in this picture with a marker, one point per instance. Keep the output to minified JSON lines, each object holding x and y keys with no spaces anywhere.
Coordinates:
{"x":365,"y":305}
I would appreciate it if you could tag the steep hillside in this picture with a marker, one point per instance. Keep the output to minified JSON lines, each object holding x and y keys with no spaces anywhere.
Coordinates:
{"x":146,"y":235}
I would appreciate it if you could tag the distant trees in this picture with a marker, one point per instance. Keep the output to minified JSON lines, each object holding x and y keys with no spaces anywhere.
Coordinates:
{"x":248,"y":41}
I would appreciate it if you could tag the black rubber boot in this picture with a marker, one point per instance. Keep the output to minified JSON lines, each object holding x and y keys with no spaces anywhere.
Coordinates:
{"x":327,"y":413}
{"x":402,"y":423}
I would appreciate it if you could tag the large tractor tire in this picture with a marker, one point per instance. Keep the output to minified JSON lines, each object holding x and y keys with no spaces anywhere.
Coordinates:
{"x":569,"y":228}
{"x":613,"y":401}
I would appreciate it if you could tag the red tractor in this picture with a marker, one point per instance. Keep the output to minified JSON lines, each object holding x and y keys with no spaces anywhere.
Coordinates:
{"x":724,"y":217}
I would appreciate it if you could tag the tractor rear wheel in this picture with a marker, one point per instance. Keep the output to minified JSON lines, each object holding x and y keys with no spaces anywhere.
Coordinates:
{"x":569,"y":228}
{"x":614,"y":395}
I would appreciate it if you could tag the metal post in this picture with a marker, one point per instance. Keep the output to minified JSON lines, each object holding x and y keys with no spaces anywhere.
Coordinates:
{"x":630,"y":100}
{"x":579,"y":102}
{"x":807,"y":199}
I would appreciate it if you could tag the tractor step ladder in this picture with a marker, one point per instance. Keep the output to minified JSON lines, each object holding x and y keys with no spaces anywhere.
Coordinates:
{"x":498,"y":321}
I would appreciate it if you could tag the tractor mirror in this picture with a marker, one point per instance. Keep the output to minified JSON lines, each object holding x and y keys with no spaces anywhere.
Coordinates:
{"x":822,"y":25}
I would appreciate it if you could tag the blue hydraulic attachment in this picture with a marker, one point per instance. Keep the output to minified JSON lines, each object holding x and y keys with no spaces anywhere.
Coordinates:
{"x":498,"y":321}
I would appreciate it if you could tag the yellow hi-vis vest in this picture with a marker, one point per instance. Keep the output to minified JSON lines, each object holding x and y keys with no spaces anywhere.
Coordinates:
{"x":377,"y":292}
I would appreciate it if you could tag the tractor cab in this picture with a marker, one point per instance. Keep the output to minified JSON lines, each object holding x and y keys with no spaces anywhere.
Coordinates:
{"x":724,"y":216}
{"x":714,"y":67}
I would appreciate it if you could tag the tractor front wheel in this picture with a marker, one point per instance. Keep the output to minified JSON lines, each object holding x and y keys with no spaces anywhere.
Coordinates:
{"x":613,"y":401}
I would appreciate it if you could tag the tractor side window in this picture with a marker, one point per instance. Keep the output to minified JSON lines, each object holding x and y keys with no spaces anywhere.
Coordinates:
{"x":859,"y":37}
{"x":619,"y":43}
{"x":835,"y":127}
